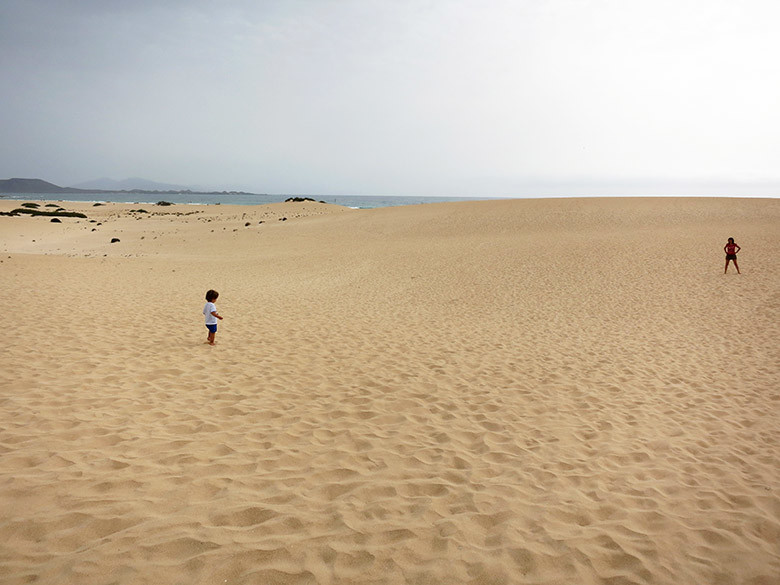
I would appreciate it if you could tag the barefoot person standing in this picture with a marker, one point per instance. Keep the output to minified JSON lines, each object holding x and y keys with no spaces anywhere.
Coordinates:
{"x":731,"y":250}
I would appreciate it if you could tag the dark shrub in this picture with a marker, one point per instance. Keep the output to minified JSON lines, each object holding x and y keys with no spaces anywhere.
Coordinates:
{"x":56,"y":213}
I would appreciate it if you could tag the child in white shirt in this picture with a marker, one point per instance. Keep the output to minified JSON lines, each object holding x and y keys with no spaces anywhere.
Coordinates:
{"x":210,"y":312}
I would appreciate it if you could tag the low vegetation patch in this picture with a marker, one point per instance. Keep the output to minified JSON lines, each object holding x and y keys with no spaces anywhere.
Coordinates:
{"x":30,"y":205}
{"x":24,"y":210}
{"x":301,"y":200}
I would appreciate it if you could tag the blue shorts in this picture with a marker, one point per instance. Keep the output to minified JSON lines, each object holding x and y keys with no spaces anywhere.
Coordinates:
{"x":212,"y":328}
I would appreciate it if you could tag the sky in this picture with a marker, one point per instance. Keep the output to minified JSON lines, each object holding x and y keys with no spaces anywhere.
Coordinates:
{"x":391,"y":97}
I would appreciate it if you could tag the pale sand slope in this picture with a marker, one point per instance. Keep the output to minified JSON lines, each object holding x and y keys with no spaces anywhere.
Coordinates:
{"x":549,"y":391}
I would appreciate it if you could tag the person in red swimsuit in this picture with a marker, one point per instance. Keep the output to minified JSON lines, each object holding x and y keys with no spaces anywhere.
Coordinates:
{"x":731,"y":250}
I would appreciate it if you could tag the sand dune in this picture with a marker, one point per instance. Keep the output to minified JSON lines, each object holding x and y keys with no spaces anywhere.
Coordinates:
{"x":532,"y":391}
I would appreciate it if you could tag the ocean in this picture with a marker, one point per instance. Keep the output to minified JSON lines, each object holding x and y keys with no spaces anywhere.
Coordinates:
{"x":354,"y":201}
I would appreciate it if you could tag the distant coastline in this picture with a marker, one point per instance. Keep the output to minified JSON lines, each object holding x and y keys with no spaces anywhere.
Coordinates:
{"x":41,"y":190}
{"x":39,"y":186}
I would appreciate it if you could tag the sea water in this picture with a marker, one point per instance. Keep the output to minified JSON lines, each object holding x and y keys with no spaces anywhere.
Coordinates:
{"x":355,"y":201}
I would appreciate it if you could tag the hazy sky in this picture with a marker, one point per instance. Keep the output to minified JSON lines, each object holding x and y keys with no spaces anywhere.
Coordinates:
{"x":484,"y":97}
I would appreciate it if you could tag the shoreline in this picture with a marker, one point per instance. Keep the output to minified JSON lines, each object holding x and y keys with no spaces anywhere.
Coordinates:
{"x":354,"y":201}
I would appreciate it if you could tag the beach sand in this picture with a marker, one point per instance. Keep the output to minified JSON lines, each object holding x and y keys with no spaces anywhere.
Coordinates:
{"x":563,"y":391}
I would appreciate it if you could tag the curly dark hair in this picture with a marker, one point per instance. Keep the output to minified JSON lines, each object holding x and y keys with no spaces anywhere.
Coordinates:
{"x":211,"y":295}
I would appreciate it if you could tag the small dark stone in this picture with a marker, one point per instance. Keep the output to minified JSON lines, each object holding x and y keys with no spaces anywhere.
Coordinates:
{"x":114,"y":240}
{"x":282,"y":219}
{"x":97,"y":204}
{"x":55,"y":220}
{"x":247,"y":224}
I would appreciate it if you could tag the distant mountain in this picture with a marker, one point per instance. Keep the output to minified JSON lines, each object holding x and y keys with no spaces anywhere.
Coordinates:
{"x":44,"y":187}
{"x":32,"y":186}
{"x":102,"y":183}
{"x":130,"y":184}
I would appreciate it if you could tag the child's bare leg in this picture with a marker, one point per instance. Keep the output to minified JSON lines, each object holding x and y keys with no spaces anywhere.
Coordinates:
{"x":725,"y":270}
{"x":736,"y":266}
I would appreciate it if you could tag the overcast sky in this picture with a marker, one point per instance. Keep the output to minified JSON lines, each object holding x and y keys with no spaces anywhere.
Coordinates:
{"x":472,"y":98}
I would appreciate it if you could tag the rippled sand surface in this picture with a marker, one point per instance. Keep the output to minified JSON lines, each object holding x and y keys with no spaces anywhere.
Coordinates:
{"x":532,"y":391}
